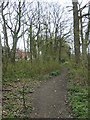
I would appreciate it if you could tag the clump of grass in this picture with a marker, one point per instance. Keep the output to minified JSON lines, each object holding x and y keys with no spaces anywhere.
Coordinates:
{"x":26,"y":69}
{"x":78,"y":90}
{"x":13,"y":106}
{"x":78,"y":100}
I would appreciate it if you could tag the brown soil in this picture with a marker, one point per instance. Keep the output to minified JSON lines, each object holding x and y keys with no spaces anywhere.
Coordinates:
{"x":49,"y":100}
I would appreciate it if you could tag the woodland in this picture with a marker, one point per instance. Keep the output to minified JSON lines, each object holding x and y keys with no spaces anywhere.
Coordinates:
{"x":44,"y":42}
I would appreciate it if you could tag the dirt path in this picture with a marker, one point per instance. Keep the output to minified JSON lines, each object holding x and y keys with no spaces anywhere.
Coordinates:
{"x":50,"y":99}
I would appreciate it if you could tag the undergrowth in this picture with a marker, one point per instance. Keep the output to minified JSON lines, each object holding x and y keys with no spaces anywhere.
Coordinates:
{"x":29,"y":75}
{"x":26,"y":69}
{"x":78,"y":89}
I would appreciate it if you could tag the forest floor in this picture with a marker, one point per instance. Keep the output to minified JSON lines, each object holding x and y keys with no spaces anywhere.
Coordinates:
{"x":49,"y":99}
{"x":44,"y":99}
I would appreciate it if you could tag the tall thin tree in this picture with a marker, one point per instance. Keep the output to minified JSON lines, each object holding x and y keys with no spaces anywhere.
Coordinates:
{"x":76,"y":30}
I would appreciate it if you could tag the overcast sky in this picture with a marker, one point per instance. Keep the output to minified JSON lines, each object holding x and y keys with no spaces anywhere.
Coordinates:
{"x":64,"y":3}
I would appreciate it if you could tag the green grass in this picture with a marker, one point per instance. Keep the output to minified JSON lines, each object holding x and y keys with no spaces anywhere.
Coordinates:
{"x":37,"y":71}
{"x":28,"y":75}
{"x":78,"y":100}
{"x":78,"y":90}
{"x":13,"y":101}
{"x":24,"y":69}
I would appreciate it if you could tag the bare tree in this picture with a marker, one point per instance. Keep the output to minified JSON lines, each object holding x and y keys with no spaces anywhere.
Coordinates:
{"x":0,"y":78}
{"x":12,"y":24}
{"x":76,"y":31}
{"x":5,"y":28}
{"x":82,"y":37}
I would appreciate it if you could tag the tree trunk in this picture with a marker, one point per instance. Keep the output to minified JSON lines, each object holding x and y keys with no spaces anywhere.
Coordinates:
{"x":31,"y":41}
{"x":13,"y":52}
{"x":83,"y":41}
{"x":5,"y":32}
{"x":76,"y":32}
{"x":55,"y":42}
{"x":38,"y":41}
{"x":60,"y":46}
{"x":25,"y":57}
{"x":46,"y":43}
{"x":0,"y":78}
{"x":88,"y":39}
{"x":38,"y":32}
